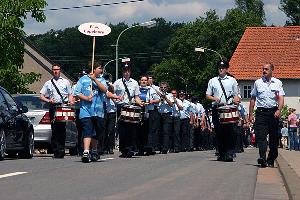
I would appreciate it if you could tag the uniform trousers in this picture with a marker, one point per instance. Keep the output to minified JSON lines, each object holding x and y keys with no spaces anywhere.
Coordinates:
{"x":184,"y":133}
{"x":176,"y":146}
{"x":142,"y":135}
{"x":224,"y":135}
{"x":166,"y":128}
{"x":153,"y":128}
{"x":127,"y":134}
{"x":266,"y":123}
{"x":110,"y":131}
{"x":58,"y":137}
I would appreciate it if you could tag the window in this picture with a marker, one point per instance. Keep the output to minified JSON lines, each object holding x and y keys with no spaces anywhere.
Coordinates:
{"x":10,"y":101}
{"x":247,"y":91}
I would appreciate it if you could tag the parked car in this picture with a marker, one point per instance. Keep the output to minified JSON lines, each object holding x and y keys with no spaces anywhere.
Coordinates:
{"x":38,"y":113}
{"x":16,"y":130}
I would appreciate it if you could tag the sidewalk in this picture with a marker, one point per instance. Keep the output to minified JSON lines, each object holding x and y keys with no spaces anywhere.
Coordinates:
{"x":289,"y":166}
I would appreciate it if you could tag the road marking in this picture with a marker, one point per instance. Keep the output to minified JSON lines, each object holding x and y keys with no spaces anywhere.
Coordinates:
{"x":104,"y":159}
{"x":12,"y":174}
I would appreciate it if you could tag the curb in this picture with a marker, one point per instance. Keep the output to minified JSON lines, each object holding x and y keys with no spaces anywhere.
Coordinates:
{"x":290,"y":178}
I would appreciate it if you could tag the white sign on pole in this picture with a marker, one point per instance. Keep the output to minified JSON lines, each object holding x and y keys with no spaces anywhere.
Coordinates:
{"x":94,"y":29}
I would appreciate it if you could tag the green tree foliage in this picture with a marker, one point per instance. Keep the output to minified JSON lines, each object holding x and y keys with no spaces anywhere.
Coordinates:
{"x":12,"y":14}
{"x":253,"y":7}
{"x":292,"y":9}
{"x":211,"y":32}
{"x":72,"y":50}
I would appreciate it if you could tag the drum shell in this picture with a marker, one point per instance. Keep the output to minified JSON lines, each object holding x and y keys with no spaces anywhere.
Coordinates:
{"x":64,"y":114}
{"x":131,"y":114}
{"x":228,"y":114}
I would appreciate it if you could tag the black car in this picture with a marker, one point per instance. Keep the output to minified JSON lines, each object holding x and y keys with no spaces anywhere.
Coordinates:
{"x":16,"y":130}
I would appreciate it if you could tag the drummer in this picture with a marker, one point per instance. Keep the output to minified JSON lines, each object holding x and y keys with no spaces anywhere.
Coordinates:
{"x":57,"y":91}
{"x":223,"y":90}
{"x":129,"y":89}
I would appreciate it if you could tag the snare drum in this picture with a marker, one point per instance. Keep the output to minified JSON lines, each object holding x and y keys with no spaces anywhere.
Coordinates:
{"x":64,"y":114}
{"x":131,"y":114}
{"x":228,"y":114}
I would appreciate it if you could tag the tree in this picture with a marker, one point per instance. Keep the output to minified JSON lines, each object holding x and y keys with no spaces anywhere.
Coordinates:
{"x":292,"y":9}
{"x":253,"y":7}
{"x":221,"y":35}
{"x":12,"y":14}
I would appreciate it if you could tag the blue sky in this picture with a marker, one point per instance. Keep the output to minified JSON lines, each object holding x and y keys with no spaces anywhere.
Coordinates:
{"x":171,"y":10}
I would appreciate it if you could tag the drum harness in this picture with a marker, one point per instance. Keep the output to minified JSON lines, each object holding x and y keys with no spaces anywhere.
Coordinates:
{"x":58,"y":92}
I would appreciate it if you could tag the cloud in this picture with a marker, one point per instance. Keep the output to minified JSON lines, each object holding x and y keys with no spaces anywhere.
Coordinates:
{"x":171,"y":10}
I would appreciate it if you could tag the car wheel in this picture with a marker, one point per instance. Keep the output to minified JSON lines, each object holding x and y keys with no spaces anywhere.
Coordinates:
{"x":2,"y":144}
{"x":27,"y":153}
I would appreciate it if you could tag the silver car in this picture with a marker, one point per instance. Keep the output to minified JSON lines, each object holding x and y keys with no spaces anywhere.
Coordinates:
{"x":38,"y":113}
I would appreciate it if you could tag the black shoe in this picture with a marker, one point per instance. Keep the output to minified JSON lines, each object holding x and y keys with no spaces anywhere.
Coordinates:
{"x":270,"y":163}
{"x":164,"y":151}
{"x":262,"y":162}
{"x":111,"y":151}
{"x":150,"y":153}
{"x":228,"y":158}
{"x":123,"y":155}
{"x":94,"y":156}
{"x":140,"y":153}
{"x":130,"y":154}
{"x":221,"y":158}
{"x":86,"y":157}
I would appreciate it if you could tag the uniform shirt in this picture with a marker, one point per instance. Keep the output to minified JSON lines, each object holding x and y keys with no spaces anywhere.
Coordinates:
{"x":110,"y":105}
{"x":155,"y":88}
{"x":200,"y":110}
{"x":187,"y":109}
{"x":267,"y":93}
{"x":164,"y":106}
{"x":150,"y":95}
{"x":95,"y":107}
{"x":230,"y":85}
{"x":63,"y":86}
{"x":175,"y":109}
{"x":133,"y":88}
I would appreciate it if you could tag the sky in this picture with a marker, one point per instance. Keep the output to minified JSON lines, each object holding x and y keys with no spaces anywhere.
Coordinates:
{"x":170,"y":10}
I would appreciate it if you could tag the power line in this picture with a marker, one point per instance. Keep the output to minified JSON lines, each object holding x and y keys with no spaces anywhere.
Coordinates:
{"x":95,"y":5}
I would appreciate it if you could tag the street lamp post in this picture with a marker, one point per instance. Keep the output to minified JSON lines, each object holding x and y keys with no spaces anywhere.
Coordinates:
{"x":110,"y":62}
{"x":203,"y":49}
{"x":148,"y":24}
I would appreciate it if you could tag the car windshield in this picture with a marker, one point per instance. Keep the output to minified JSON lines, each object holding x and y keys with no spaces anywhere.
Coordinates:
{"x":31,"y":102}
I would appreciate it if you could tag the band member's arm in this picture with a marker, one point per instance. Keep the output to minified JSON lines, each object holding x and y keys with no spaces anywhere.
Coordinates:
{"x":104,"y":89}
{"x":180,"y":107}
{"x":280,"y":106}
{"x":170,"y":103}
{"x":251,"y":108}
{"x":85,"y":98}
{"x":71,"y":99}
{"x":203,"y":121}
{"x":43,"y":98}
{"x":138,"y":100}
{"x":154,"y":101}
{"x":212,"y":98}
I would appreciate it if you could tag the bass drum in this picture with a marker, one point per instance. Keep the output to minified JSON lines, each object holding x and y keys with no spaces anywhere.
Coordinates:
{"x":228,"y":114}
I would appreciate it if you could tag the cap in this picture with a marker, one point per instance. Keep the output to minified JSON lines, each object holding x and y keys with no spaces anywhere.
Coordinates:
{"x":126,"y":66}
{"x":181,"y":92}
{"x":223,"y":63}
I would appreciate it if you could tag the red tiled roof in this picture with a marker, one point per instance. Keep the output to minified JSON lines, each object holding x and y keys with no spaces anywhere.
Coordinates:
{"x":278,"y":45}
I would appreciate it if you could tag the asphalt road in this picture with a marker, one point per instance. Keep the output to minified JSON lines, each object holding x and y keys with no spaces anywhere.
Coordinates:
{"x":182,"y":176}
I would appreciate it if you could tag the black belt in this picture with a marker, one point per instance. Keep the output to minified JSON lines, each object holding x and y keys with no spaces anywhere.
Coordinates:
{"x":267,"y":109}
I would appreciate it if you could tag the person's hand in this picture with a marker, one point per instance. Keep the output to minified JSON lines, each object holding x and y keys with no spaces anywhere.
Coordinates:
{"x":72,"y":102}
{"x":51,"y":101}
{"x":277,"y":113}
{"x":250,"y":118}
{"x":90,"y":98}
{"x":120,"y":98}
{"x":92,"y":76}
{"x":217,"y":99}
{"x":236,"y":100}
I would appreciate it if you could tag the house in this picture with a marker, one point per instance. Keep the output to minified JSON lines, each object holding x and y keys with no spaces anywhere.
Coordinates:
{"x":278,"y":45}
{"x":36,"y":61}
